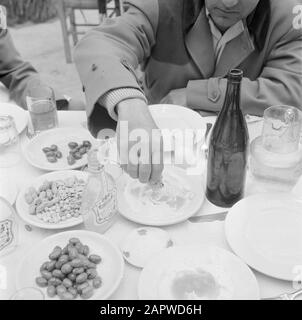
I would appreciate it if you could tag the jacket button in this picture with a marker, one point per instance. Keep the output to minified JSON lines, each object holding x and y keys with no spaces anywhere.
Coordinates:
{"x":94,"y":67}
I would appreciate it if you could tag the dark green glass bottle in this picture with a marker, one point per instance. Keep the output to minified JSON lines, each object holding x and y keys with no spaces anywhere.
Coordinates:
{"x":228,"y":149}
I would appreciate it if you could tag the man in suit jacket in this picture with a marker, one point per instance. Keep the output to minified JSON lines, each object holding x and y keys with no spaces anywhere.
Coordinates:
{"x":18,"y":75}
{"x":186,"y":49}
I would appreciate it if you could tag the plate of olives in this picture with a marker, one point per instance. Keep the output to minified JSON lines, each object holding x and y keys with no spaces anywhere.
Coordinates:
{"x":59,"y":149}
{"x":73,"y":265}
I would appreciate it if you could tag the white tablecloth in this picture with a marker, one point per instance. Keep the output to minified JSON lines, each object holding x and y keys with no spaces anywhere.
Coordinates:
{"x":184,"y":233}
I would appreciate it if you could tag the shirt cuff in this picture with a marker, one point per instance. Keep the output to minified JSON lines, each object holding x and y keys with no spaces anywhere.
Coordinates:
{"x":110,"y":99}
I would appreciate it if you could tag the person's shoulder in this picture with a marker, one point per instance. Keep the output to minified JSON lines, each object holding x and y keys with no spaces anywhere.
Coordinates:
{"x":283,"y":10}
{"x":283,"y":15}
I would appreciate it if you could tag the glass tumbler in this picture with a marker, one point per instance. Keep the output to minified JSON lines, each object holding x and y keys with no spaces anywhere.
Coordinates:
{"x":42,"y":108}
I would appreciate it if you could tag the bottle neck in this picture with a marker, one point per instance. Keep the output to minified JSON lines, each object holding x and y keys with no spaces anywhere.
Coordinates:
{"x":232,"y":98}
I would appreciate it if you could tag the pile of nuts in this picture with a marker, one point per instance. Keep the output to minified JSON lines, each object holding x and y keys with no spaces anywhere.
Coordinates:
{"x":56,"y":201}
{"x":70,"y":272}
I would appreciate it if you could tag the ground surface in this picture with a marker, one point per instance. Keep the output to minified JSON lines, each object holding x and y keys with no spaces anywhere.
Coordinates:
{"x":42,"y":45}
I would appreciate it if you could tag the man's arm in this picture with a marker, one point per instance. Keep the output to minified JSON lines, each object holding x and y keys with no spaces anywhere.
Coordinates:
{"x":279,"y":83}
{"x":15,"y":73}
{"x":108,"y":55}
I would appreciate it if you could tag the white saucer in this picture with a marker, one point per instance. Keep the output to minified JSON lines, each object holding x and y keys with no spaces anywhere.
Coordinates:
{"x":144,"y":243}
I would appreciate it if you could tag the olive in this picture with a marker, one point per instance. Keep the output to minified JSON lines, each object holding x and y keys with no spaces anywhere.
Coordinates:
{"x":72,"y":145}
{"x":59,"y":154}
{"x":86,"y":143}
{"x":77,"y":156}
{"x":51,"y":291}
{"x":95,"y":258}
{"x":87,"y":292}
{"x":52,"y":159}
{"x":41,"y":282}
{"x":71,"y":160}
{"x":46,"y":150}
{"x":54,"y":147}
{"x":82,"y":150}
{"x":97,"y":282}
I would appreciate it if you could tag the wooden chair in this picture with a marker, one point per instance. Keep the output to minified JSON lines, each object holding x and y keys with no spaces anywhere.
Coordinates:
{"x":66,"y":10}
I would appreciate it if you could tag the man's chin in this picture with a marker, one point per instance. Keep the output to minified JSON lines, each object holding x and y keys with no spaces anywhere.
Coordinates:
{"x":223,"y":23}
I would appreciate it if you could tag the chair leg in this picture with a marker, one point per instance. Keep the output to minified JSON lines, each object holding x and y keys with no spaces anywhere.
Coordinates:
{"x":73,"y":27}
{"x":62,"y":16}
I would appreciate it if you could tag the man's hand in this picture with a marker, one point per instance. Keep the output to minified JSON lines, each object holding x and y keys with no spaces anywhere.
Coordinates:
{"x":141,"y":148}
{"x":177,"y":96}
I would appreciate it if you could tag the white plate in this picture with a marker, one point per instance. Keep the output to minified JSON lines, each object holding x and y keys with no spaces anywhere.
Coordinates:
{"x":156,"y":217}
{"x":20,"y":115}
{"x":169,"y":116}
{"x":61,"y":137}
{"x":8,"y":189}
{"x":23,"y":208}
{"x":265,"y":231}
{"x":111,"y":269}
{"x":144,"y":243}
{"x":158,"y":277}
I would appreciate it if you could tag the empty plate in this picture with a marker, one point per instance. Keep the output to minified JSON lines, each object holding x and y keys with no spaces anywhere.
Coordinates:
{"x":265,"y":231}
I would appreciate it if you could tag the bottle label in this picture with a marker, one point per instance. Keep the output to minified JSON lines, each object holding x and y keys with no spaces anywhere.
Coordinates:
{"x":105,"y":208}
{"x":6,"y":233}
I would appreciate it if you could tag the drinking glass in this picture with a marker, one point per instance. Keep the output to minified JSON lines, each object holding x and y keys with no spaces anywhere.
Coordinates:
{"x":28,"y":294}
{"x":9,"y":142}
{"x":281,"y":129}
{"x":42,"y":108}
{"x":8,"y":228}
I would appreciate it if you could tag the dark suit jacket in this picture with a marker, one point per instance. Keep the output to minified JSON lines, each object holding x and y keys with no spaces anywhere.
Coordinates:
{"x":173,"y":42}
{"x":18,"y":75}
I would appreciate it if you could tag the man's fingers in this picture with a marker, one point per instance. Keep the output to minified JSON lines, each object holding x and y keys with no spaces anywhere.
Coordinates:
{"x":132,"y":170}
{"x":156,"y":172}
{"x":144,"y":172}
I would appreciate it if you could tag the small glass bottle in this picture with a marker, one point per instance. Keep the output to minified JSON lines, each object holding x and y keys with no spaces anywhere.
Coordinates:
{"x":99,"y":203}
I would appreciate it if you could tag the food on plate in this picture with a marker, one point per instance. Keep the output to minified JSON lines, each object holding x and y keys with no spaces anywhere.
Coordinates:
{"x":70,"y":272}
{"x":56,"y":201}
{"x":207,"y":282}
{"x":76,"y":152}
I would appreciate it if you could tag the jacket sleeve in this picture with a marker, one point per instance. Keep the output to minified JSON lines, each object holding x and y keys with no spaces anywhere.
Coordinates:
{"x":106,"y":58}
{"x":16,"y":74}
{"x":279,"y":83}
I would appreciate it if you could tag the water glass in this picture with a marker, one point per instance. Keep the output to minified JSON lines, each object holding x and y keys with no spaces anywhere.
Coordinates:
{"x":8,"y":228}
{"x":281,"y":129}
{"x":9,"y":142}
{"x":42,"y":108}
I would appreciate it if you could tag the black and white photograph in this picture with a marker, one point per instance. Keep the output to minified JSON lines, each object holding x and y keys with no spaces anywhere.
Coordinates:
{"x":150,"y":150}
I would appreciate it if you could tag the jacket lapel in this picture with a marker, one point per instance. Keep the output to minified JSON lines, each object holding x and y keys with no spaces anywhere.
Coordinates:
{"x":235,"y":51}
{"x":199,"y":43}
